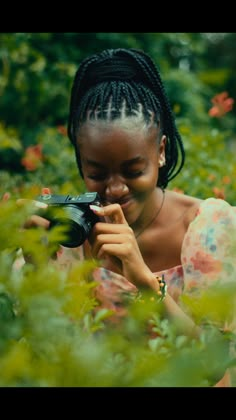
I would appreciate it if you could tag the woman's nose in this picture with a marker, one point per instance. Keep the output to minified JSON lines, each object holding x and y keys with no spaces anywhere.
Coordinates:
{"x":116,"y":189}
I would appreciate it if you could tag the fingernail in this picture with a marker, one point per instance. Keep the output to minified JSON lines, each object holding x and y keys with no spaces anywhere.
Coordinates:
{"x":96,"y":209}
{"x":40,"y":205}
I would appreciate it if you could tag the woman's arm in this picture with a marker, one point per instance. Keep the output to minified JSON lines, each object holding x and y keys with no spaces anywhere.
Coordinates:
{"x":117,"y":241}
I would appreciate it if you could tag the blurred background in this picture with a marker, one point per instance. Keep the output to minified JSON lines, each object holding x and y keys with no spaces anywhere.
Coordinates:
{"x":36,"y":74}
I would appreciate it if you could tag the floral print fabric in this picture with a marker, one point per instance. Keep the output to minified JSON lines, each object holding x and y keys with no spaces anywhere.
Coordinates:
{"x":208,"y":254}
{"x":209,"y":247}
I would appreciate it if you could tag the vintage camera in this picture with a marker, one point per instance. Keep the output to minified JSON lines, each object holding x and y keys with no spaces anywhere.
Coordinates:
{"x":73,"y":213}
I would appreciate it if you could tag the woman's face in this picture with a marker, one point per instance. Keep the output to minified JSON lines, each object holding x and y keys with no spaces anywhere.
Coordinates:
{"x":120,"y":161}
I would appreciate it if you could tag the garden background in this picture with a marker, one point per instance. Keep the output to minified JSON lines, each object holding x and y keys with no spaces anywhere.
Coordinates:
{"x":48,"y":325}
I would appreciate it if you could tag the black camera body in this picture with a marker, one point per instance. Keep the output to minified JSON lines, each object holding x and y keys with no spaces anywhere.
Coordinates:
{"x":73,"y":213}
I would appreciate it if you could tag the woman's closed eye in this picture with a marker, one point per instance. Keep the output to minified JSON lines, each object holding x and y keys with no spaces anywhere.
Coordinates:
{"x":128,"y":174}
{"x":133,"y":174}
{"x":97,"y":177}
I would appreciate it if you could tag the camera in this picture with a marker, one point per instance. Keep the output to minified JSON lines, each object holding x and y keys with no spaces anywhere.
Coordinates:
{"x":73,"y":213}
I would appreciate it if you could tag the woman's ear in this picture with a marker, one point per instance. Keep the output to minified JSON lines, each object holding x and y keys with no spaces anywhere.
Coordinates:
{"x":162,"y":157}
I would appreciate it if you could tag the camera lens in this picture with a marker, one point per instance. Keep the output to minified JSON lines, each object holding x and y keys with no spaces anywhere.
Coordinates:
{"x":78,"y":223}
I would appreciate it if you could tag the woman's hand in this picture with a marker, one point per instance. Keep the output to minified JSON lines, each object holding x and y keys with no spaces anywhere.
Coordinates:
{"x":34,"y":219}
{"x":116,"y":241}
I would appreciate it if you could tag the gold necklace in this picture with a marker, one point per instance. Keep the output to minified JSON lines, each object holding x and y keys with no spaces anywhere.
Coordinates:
{"x":155,"y":216}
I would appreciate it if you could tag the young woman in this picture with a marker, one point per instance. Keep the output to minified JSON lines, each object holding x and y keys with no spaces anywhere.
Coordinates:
{"x":128,"y":149}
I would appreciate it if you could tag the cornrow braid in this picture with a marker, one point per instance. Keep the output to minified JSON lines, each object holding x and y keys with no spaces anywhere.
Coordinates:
{"x":123,"y":81}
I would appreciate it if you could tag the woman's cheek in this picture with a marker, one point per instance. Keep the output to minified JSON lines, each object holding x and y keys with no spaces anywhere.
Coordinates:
{"x":145,"y":184}
{"x":91,"y":185}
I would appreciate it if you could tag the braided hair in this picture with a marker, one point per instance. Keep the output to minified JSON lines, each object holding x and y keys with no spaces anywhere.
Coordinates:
{"x":123,"y":81}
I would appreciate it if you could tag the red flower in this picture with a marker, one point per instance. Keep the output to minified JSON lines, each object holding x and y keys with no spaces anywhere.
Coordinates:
{"x":33,"y":157}
{"x":226,"y":179}
{"x":6,"y":196}
{"x":211,"y":177}
{"x":219,"y":192}
{"x":178,"y":190}
{"x":62,"y":130}
{"x":222,"y":104}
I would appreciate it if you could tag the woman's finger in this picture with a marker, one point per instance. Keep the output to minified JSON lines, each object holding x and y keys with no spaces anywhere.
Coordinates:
{"x":26,"y":201}
{"x":36,"y":220}
{"x":113,"y":212}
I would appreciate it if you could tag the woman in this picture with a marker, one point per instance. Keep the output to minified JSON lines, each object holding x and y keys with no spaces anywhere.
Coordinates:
{"x":128,"y":149}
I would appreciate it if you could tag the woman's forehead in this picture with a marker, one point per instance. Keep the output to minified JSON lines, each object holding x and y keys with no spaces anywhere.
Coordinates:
{"x":133,"y":125}
{"x":116,"y":142}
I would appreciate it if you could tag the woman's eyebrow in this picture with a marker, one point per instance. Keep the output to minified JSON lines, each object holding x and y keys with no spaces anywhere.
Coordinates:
{"x":93,"y":163}
{"x":137,"y":159}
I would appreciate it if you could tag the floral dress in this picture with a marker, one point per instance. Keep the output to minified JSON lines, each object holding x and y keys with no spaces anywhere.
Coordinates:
{"x":207,"y":254}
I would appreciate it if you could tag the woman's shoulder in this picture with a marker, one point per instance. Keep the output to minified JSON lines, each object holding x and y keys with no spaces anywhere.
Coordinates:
{"x":183,"y":207}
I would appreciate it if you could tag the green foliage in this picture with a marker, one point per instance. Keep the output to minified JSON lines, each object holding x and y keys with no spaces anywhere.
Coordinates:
{"x":52,"y":332}
{"x":11,"y":149}
{"x":188,"y":100}
{"x":210,"y":167}
{"x":37,"y":69}
{"x":56,"y":167}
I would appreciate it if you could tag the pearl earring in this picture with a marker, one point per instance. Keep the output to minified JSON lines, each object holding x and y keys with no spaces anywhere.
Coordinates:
{"x":162,"y":162}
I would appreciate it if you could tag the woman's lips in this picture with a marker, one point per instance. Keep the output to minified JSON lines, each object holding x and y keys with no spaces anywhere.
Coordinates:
{"x":124,"y":203}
